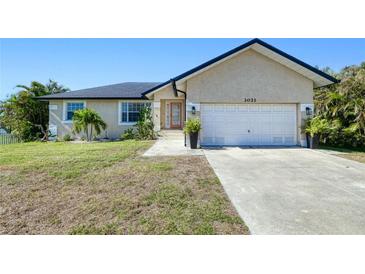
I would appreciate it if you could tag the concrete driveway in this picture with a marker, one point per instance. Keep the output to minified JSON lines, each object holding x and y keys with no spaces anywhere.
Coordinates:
{"x":292,"y":191}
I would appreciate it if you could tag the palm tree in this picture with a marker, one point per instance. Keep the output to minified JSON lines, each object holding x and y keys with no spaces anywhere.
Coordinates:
{"x":35,"y":89}
{"x":86,"y":120}
{"x":30,"y":110}
{"x":38,"y":89}
{"x":53,"y":87}
{"x":24,"y":115}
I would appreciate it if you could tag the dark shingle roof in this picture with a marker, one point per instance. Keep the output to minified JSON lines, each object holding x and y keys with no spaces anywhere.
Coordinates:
{"x":237,"y":49}
{"x":128,"y":90}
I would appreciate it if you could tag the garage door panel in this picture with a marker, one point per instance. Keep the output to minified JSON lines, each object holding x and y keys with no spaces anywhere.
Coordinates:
{"x":277,"y":140}
{"x":253,"y":108}
{"x":266,"y":139}
{"x":288,"y":140}
{"x":243,"y":108}
{"x":248,"y":124}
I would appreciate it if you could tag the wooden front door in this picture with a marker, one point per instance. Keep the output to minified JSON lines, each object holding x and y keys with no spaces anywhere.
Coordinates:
{"x":175,"y":115}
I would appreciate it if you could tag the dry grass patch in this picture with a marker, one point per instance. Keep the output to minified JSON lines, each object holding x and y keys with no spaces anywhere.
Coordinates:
{"x":355,"y":156}
{"x":351,"y":154}
{"x":110,"y":188}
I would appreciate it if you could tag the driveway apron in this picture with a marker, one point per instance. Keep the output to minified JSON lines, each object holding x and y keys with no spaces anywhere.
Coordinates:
{"x":292,"y":191}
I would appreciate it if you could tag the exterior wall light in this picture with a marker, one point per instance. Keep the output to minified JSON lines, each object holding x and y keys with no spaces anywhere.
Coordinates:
{"x":308,"y":111}
{"x":193,"y":110}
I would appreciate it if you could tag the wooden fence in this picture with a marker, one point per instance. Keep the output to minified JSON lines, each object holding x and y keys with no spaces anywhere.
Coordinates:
{"x":6,"y":138}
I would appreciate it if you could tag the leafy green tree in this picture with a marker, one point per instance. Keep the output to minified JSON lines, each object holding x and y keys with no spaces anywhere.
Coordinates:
{"x":343,"y":106}
{"x":88,"y":120}
{"x":25,"y":116}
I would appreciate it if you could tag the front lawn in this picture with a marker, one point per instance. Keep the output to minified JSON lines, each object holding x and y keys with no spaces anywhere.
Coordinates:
{"x":109,"y":188}
{"x":352,"y":154}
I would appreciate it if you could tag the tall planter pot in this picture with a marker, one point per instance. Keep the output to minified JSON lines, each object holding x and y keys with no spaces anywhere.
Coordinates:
{"x":194,"y":140}
{"x":308,"y":138}
{"x":314,"y":142}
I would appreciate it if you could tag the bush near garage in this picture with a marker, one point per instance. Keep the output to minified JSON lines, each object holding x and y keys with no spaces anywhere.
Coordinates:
{"x":343,"y":106}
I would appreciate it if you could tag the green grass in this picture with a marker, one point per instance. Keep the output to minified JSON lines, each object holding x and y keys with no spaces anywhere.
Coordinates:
{"x":109,"y":188}
{"x":65,"y":161}
{"x":343,"y":149}
{"x":355,"y":154}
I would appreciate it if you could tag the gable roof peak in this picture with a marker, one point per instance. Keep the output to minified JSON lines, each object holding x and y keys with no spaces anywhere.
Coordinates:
{"x":319,"y":77}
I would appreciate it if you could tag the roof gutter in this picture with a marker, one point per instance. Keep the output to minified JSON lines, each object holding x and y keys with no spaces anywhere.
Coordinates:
{"x":173,"y":83}
{"x":176,"y":93}
{"x":90,"y":98}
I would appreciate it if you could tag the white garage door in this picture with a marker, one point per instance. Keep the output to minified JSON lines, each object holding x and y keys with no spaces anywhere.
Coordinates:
{"x":248,"y":124}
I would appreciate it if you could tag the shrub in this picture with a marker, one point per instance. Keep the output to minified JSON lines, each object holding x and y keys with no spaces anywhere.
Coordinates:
{"x":86,"y":120}
{"x":128,"y":134}
{"x":192,"y":126}
{"x":145,"y":126}
{"x":343,"y":106}
{"x":317,"y":126}
{"x":143,"y":130}
{"x":67,"y":138}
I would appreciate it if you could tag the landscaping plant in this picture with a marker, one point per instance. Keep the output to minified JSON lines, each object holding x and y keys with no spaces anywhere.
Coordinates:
{"x":342,"y":105}
{"x":23,"y":115}
{"x":143,"y":129}
{"x":87,"y":120}
{"x":67,"y":138}
{"x":144,"y":126}
{"x":128,"y":134}
{"x":192,"y":128}
{"x":316,"y":127}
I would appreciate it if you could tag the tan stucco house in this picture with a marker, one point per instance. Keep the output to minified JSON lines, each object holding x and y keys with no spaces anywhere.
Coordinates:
{"x":254,"y":94}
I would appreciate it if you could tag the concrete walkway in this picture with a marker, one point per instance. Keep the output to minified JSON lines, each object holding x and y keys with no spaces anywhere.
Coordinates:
{"x":171,"y":143}
{"x":292,"y":191}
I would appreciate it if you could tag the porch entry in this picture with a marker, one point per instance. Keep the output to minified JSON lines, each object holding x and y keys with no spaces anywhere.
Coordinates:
{"x":173,"y":115}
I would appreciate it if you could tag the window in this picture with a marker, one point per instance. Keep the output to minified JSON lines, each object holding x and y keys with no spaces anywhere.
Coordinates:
{"x":71,"y":108}
{"x":130,"y":111}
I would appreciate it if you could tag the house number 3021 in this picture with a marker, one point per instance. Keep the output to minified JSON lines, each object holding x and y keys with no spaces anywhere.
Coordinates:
{"x":249,"y":100}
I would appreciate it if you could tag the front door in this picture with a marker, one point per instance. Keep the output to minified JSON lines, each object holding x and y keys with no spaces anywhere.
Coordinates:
{"x":175,"y":115}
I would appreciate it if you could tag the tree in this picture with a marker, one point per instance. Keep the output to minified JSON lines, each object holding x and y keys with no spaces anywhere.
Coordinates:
{"x":25,"y":116}
{"x":54,"y":87}
{"x":343,"y":106}
{"x":86,"y":120}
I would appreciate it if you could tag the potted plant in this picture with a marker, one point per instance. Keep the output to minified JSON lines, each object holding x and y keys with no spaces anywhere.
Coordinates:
{"x":192,"y":128}
{"x":315,"y":127}
{"x":303,"y":130}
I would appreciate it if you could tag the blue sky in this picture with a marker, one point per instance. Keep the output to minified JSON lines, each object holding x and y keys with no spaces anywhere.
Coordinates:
{"x":83,"y":63}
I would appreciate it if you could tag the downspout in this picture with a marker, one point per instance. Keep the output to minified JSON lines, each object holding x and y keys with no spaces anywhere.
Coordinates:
{"x":173,"y":83}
